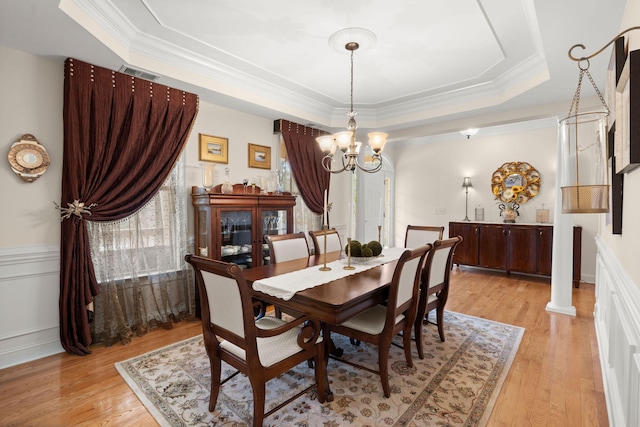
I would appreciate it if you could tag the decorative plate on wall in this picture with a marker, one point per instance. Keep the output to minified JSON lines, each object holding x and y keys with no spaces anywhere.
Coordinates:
{"x":28,"y":158}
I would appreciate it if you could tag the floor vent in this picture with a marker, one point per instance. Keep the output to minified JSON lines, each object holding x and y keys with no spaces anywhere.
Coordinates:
{"x":138,"y":73}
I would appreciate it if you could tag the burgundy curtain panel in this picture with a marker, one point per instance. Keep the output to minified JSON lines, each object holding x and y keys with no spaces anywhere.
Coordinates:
{"x":305,"y":157}
{"x":122,"y":137}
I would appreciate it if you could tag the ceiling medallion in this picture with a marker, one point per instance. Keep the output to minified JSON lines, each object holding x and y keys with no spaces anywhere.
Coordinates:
{"x":364,"y":38}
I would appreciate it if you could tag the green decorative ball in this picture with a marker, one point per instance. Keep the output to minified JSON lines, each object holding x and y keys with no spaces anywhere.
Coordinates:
{"x":375,"y":247}
{"x":356,"y":248}
{"x":366,"y":251}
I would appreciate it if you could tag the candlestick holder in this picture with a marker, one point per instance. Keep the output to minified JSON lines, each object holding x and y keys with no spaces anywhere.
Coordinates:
{"x":324,"y":255}
{"x":379,"y":233}
{"x":349,"y":266}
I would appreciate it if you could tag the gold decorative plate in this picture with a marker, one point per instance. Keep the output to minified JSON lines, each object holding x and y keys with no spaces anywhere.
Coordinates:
{"x":28,"y":158}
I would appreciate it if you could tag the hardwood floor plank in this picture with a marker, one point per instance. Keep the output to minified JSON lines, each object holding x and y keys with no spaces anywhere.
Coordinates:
{"x":555,"y":379}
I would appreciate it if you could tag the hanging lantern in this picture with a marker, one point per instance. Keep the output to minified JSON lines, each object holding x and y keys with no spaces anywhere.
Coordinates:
{"x":584,"y":179}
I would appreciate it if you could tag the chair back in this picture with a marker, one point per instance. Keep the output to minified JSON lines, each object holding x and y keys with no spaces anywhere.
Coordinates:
{"x":225,"y":301}
{"x":405,"y":284}
{"x":437,"y":268}
{"x":418,"y":235}
{"x":333,"y":240}
{"x":285,"y":247}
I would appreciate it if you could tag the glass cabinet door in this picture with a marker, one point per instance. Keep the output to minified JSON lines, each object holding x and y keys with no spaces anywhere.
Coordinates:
{"x":202,"y":244}
{"x":274,"y":221}
{"x":236,"y":233}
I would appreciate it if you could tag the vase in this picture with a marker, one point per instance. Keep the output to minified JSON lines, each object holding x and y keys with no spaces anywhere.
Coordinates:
{"x":509,"y":213}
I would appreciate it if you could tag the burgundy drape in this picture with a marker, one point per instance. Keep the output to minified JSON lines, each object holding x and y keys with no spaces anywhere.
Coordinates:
{"x":305,"y":157}
{"x":122,"y":136}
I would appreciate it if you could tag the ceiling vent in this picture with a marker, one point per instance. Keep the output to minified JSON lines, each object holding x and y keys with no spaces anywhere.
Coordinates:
{"x":138,"y":73}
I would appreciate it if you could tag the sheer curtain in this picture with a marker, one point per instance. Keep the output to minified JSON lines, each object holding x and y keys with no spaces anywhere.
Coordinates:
{"x":139,"y":264}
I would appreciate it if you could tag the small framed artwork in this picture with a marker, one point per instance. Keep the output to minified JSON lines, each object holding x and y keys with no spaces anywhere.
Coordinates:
{"x":616,"y":63}
{"x":259,"y":156}
{"x":627,"y":134}
{"x":214,"y":149}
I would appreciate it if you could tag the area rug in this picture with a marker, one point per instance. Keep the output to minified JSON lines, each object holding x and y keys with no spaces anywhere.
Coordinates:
{"x":456,"y":384}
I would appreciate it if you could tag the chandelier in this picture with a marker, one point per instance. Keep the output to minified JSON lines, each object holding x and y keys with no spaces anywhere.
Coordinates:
{"x":346,"y":141}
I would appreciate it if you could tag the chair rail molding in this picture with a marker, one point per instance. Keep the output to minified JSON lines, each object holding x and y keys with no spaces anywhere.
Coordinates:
{"x":617,"y":324}
{"x":29,"y":292}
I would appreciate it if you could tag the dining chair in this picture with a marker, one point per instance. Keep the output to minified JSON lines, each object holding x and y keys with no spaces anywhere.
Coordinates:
{"x":285,"y":247}
{"x":434,"y":287}
{"x":379,"y":324}
{"x":333,"y":240}
{"x":418,"y":235}
{"x":261,"y":349}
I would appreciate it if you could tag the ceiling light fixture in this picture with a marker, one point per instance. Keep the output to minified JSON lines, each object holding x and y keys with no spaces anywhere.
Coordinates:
{"x":346,"y":140}
{"x":469,"y":132}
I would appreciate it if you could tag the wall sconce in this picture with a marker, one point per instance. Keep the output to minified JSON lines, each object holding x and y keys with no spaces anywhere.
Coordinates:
{"x":469,"y":132}
{"x":466,"y":183}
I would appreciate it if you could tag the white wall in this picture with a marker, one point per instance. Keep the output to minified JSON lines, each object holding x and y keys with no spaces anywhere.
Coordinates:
{"x":625,"y":246}
{"x":31,"y":102}
{"x":429,"y":178}
{"x":617,"y":311}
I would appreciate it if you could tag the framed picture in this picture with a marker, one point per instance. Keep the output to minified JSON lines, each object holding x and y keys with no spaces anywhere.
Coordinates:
{"x":627,"y":137}
{"x":614,"y":70}
{"x":614,"y":217}
{"x":214,"y":149}
{"x":259,"y":156}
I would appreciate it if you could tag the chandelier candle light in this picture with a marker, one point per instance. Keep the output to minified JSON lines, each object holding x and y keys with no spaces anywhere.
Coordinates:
{"x":346,"y":140}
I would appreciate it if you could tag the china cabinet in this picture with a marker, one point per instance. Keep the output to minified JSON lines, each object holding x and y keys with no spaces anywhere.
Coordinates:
{"x":231,"y":227}
{"x":522,"y":248}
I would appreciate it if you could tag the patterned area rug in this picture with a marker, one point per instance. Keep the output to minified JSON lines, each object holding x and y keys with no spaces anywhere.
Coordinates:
{"x":455,"y":385}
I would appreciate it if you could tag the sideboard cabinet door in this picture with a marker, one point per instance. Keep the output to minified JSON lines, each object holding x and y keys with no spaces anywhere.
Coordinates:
{"x":493,"y":246}
{"x":522,"y":249}
{"x":467,"y":251}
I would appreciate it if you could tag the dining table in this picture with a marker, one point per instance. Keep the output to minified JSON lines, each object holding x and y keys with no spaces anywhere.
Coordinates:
{"x":331,"y":302}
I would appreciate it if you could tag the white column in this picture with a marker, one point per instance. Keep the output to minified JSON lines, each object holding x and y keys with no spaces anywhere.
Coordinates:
{"x":562,"y":265}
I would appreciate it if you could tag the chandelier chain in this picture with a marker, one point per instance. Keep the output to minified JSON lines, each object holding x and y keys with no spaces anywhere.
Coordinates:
{"x":351,"y":81}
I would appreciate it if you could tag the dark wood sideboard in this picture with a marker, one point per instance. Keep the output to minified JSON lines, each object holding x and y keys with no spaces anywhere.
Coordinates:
{"x":521,"y":248}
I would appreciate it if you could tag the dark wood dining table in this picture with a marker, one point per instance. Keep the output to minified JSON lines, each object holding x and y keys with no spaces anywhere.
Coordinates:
{"x":331,"y":303}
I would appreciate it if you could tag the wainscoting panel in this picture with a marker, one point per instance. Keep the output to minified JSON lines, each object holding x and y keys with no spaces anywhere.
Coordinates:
{"x":29,"y":291}
{"x":617,"y":323}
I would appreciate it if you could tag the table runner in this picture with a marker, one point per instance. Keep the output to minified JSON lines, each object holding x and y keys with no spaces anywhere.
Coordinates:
{"x":286,"y":285}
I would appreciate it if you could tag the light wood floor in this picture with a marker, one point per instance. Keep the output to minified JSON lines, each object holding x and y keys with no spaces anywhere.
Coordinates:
{"x":555,"y":379}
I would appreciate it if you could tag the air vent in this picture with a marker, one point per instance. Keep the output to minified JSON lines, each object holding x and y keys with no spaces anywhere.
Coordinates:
{"x":138,"y":73}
